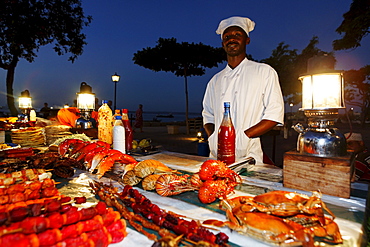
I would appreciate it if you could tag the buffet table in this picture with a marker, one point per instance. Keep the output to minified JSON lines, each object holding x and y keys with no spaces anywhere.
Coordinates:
{"x":258,"y":179}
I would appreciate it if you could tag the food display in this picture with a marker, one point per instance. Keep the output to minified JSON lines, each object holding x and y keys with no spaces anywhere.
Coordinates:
{"x":29,"y":137}
{"x":152,"y":217}
{"x":20,"y":153}
{"x":283,"y":218}
{"x":55,"y":132}
{"x":143,"y":170}
{"x":33,"y":212}
{"x":94,"y":226}
{"x":95,"y":156}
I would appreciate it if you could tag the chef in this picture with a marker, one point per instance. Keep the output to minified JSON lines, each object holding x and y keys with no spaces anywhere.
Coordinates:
{"x":253,"y":90}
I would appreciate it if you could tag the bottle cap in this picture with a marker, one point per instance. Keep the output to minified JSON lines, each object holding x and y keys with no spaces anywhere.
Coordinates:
{"x":124,"y":111}
{"x":226,"y":104}
{"x":104,"y":101}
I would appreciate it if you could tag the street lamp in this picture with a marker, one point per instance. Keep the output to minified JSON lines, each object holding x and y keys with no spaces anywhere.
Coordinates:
{"x":115,"y":79}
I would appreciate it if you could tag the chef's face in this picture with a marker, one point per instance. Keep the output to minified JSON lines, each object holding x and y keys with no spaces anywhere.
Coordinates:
{"x":234,"y":41}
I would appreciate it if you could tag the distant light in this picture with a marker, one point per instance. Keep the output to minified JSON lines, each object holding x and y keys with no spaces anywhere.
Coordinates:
{"x":115,"y":77}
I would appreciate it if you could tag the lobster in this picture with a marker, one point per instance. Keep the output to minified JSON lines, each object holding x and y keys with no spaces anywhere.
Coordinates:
{"x":218,"y":181}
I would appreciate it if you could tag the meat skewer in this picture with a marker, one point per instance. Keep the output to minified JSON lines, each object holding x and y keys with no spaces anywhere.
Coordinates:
{"x":191,"y":230}
{"x":39,"y":224}
{"x":30,"y":185}
{"x":8,"y":207}
{"x":129,"y":197}
{"x":22,"y":173}
{"x":91,"y":231}
{"x":23,"y":176}
{"x":36,"y":208}
{"x":130,"y":217}
{"x":29,"y":195}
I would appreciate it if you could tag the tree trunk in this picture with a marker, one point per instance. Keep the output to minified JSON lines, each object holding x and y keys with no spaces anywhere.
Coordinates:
{"x":187,"y":105}
{"x":9,"y":87}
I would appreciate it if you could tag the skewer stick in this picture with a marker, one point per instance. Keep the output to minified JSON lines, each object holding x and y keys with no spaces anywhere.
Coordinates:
{"x":6,"y":231}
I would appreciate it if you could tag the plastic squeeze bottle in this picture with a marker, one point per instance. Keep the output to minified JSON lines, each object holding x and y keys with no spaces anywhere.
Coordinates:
{"x":105,"y":123}
{"x":119,"y":135}
{"x":128,"y":130}
{"x":33,"y":116}
{"x":116,"y":113}
{"x":226,"y":138}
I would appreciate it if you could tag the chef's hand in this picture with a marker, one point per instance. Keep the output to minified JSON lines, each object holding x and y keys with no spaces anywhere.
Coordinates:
{"x":209,"y":128}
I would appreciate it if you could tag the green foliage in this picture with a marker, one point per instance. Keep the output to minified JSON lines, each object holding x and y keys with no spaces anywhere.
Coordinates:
{"x":27,"y":25}
{"x":182,"y":59}
{"x":355,"y":26}
{"x":289,"y":64}
{"x":357,"y":89}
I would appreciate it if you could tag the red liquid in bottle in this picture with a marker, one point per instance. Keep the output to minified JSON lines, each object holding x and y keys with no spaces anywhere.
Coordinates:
{"x":226,"y":138}
{"x":128,"y":130}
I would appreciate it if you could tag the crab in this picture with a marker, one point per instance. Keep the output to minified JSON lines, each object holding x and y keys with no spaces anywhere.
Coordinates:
{"x":284,"y":203}
{"x":280,"y":217}
{"x":266,"y":227}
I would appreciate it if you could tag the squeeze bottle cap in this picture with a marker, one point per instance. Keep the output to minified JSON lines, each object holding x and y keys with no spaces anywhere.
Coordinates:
{"x":124,"y":111}
{"x":104,"y":101}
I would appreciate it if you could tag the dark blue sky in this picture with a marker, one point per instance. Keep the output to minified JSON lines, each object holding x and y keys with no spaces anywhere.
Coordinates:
{"x":121,"y":28}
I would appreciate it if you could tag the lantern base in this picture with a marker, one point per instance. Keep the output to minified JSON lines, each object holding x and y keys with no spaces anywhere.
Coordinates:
{"x":322,"y":142}
{"x":85,"y":121}
{"x":321,"y":118}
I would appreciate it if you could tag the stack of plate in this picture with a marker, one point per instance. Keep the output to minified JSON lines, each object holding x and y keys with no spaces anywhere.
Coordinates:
{"x":29,"y":137}
{"x":54,"y":132}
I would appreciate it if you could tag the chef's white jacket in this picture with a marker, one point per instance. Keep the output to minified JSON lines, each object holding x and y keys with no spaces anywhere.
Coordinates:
{"x":254,"y":94}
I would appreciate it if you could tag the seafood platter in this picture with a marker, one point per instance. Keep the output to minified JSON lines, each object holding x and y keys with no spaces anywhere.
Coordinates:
{"x":124,"y":201}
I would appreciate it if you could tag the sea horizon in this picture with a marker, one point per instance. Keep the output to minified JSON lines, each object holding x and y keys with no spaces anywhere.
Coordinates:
{"x":153,"y":116}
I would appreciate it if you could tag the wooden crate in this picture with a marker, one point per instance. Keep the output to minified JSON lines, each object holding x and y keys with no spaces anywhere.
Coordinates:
{"x":332,"y":176}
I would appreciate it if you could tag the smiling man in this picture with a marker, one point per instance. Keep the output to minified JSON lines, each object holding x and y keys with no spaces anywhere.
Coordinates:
{"x":253,"y":90}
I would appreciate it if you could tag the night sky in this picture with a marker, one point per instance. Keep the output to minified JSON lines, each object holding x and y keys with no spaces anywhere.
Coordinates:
{"x":121,"y":28}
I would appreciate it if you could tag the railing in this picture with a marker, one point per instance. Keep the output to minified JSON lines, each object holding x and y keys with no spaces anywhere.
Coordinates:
{"x":195,"y":124}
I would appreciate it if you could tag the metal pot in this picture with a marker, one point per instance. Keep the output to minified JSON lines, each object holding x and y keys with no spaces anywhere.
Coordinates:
{"x":83,"y":123}
{"x":323,"y":142}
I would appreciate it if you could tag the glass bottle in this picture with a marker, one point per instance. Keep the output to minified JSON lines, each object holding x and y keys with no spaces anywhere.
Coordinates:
{"x":226,"y":138}
{"x":105,"y":123}
{"x":128,"y":130}
{"x":119,"y":135}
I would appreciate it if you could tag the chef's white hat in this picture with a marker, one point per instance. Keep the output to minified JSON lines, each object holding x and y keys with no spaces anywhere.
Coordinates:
{"x":353,"y":137}
{"x":243,"y":22}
